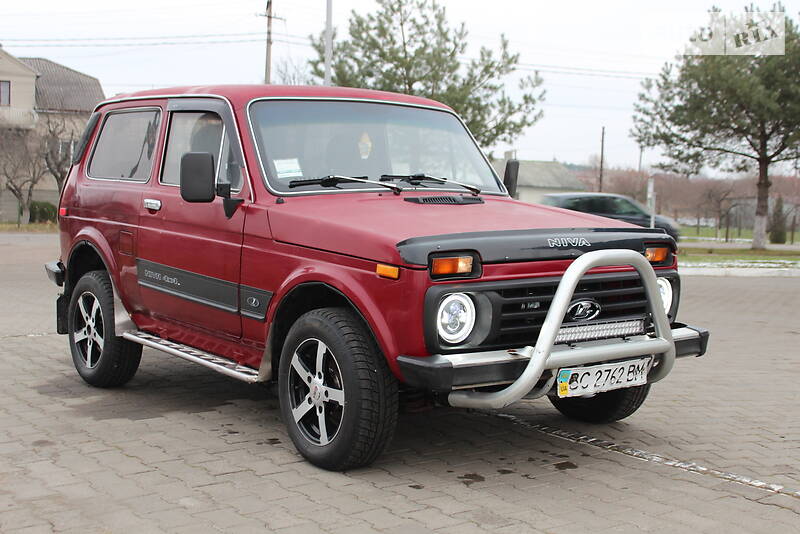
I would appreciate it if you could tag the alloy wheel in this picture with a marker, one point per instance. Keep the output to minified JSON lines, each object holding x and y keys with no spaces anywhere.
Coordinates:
{"x":88,"y":329}
{"x":316,"y":392}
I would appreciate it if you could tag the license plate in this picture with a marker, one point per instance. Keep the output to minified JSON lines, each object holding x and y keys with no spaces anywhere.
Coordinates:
{"x":579,"y":381}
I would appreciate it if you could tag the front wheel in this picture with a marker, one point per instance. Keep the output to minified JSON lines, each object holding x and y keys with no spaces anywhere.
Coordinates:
{"x":337,"y":394}
{"x":604,"y":407}
{"x":100,"y":357}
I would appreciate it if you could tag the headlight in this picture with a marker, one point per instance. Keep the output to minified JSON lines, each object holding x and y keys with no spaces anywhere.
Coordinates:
{"x":665,"y":289}
{"x":455,"y":318}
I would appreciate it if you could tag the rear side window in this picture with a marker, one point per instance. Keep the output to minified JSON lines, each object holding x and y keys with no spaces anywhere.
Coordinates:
{"x":77,"y":154}
{"x":126,"y":146}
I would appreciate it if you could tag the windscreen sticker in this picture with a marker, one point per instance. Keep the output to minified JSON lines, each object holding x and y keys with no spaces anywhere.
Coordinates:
{"x":288,"y":168}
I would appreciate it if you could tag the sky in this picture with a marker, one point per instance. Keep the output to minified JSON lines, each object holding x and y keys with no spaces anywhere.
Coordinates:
{"x":591,"y":55}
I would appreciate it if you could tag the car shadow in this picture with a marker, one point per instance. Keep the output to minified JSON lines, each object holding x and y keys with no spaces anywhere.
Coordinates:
{"x":462,"y":445}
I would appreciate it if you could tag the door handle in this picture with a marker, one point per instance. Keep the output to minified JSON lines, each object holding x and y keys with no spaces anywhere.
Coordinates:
{"x":152,"y":204}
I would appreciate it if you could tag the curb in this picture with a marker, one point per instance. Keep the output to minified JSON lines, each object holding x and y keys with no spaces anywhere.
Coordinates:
{"x":739,"y":272}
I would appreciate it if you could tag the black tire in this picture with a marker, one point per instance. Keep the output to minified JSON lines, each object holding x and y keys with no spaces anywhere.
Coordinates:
{"x":604,"y":407}
{"x":353,"y":369}
{"x":100,"y":357}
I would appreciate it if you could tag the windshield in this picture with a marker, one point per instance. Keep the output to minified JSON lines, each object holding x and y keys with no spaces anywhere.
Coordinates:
{"x":300,"y":140}
{"x":629,"y":206}
{"x":624,"y":206}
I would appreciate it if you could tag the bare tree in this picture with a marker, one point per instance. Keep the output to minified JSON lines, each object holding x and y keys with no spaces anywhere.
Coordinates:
{"x":290,"y":73}
{"x":626,"y":182}
{"x":22,"y":166}
{"x":58,"y":140}
{"x":719,"y":195}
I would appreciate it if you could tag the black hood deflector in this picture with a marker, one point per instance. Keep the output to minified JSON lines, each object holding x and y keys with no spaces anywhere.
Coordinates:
{"x":507,"y":246}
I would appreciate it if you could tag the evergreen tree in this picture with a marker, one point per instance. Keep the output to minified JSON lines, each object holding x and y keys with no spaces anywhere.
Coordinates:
{"x":739,"y":112}
{"x":408,"y":47}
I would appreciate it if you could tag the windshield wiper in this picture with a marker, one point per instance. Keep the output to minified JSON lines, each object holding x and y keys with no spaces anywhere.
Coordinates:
{"x":333,"y":180}
{"x":416,"y":179}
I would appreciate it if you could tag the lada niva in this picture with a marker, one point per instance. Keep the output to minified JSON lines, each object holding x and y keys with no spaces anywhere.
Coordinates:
{"x":348,"y":246}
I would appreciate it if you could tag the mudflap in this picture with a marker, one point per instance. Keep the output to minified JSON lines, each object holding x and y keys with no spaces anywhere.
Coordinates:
{"x":61,"y":313}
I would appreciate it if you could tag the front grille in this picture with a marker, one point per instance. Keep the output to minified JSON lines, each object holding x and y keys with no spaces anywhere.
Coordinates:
{"x":523,"y":308}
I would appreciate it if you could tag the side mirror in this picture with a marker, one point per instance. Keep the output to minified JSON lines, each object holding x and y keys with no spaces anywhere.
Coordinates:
{"x":197,"y":177}
{"x":510,"y":177}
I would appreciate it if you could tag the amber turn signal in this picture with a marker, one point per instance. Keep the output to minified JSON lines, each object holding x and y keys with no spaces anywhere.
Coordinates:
{"x":387,"y":271}
{"x":657,"y":254}
{"x":457,"y":265}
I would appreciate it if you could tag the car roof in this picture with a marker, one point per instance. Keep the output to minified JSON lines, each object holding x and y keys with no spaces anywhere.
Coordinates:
{"x":240,"y":95}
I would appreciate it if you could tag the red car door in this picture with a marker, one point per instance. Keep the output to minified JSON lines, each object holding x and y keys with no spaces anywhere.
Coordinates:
{"x":189,"y":254}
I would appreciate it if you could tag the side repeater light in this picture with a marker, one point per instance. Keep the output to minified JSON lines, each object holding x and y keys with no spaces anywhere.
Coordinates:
{"x":387,"y":271}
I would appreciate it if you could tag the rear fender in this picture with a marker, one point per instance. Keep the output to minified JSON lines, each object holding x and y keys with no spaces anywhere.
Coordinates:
{"x":91,"y":237}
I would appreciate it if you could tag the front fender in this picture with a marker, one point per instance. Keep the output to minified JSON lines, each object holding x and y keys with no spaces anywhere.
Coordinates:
{"x":359,"y":287}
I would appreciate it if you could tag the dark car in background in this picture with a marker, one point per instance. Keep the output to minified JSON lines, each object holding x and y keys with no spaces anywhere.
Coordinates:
{"x":613,"y":206}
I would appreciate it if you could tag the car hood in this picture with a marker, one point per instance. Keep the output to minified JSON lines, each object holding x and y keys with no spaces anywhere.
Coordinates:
{"x":371,"y":225}
{"x":666,"y":221}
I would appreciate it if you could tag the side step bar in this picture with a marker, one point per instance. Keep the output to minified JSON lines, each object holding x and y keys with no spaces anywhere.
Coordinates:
{"x":217,"y":363}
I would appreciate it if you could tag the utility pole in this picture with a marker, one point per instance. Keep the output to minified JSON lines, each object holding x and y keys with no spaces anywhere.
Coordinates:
{"x":641,"y":151}
{"x":268,"y":61}
{"x":328,"y":42}
{"x":602,"y":156}
{"x":651,"y":199}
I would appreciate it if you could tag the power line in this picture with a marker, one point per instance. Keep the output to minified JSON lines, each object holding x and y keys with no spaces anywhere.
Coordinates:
{"x":143,"y":37}
{"x":589,"y":69}
{"x":160,"y":43}
{"x":227,"y":38}
{"x":568,"y":73}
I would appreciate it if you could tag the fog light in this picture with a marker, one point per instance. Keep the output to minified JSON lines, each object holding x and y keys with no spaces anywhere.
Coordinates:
{"x":665,"y":289}
{"x":455,"y":318}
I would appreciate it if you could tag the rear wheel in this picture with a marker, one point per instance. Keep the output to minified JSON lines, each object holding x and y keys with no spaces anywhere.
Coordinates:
{"x":100,"y":357}
{"x":604,"y":407}
{"x":338,"y":396}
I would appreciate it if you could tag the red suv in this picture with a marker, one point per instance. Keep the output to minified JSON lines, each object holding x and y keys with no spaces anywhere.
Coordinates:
{"x":349,"y":245}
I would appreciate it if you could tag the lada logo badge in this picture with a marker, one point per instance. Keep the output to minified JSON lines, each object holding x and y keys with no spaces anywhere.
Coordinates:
{"x":253,"y":302}
{"x":583,"y":310}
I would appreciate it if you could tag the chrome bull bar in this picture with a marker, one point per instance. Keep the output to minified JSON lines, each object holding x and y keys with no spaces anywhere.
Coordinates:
{"x":661,"y":345}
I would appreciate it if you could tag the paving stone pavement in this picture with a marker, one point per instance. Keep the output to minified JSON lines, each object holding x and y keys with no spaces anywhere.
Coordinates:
{"x":183,"y":449}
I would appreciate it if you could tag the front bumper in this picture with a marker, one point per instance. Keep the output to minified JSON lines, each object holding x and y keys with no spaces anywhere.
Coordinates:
{"x":536,"y":379}
{"x":449,"y":372}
